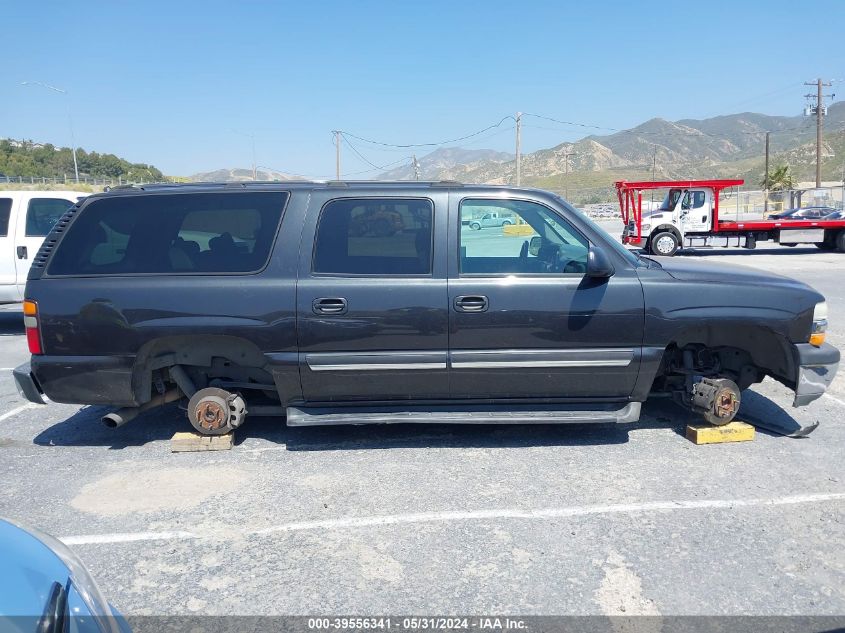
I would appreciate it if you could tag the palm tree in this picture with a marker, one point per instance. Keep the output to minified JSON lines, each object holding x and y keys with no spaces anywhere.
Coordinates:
{"x":779,"y":180}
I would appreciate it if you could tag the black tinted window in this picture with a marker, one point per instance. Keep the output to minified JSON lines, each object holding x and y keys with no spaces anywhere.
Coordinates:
{"x":175,"y":233}
{"x":5,"y":209}
{"x":374,"y":236}
{"x":43,"y":213}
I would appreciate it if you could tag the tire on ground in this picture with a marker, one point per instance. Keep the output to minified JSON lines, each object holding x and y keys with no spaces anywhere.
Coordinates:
{"x":664,"y":243}
{"x":840,"y":241}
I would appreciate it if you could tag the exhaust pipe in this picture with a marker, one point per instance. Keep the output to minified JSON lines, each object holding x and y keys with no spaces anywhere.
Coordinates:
{"x":122,"y":416}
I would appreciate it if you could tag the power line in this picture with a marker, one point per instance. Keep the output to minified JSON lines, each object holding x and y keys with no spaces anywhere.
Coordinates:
{"x":365,"y":159}
{"x":410,"y":145}
{"x":584,"y":125}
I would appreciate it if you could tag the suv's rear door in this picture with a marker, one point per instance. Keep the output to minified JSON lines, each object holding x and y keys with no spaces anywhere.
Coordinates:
{"x":524,"y":320}
{"x":371,"y":297}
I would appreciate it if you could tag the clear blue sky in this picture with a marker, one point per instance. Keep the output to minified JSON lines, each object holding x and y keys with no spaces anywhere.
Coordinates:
{"x":168,"y":82}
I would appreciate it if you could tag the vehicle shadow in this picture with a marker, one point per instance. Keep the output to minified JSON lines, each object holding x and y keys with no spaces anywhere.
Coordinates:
{"x":85,"y":429}
{"x":744,"y":252}
{"x":11,"y":324}
{"x":768,"y":417}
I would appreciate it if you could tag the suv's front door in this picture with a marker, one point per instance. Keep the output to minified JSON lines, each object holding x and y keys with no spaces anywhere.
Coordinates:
{"x":371,"y":303}
{"x":524,"y":319}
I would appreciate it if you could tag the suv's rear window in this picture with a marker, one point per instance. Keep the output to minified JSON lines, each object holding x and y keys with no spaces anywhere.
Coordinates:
{"x":374,"y":236}
{"x":171,"y":233}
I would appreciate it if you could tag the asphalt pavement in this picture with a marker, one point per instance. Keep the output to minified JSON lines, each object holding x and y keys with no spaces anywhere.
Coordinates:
{"x":439,"y":519}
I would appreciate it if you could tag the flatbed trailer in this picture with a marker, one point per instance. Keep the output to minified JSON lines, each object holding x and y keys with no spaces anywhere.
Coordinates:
{"x":689,"y":216}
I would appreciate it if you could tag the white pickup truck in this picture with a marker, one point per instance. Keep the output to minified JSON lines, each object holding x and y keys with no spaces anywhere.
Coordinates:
{"x":26,"y":217}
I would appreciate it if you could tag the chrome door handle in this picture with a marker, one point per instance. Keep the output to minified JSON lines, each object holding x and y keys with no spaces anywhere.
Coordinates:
{"x":329,"y":305}
{"x":471,"y":303}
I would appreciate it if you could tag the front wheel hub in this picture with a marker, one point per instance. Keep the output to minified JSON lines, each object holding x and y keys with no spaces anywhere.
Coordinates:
{"x":716,"y":399}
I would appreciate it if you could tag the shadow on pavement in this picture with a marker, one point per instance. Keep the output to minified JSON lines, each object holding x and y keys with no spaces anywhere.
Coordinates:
{"x":750,"y":253}
{"x":770,"y":418}
{"x":85,"y":429}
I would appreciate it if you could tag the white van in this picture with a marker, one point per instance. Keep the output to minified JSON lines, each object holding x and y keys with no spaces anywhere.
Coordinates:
{"x":26,"y":218}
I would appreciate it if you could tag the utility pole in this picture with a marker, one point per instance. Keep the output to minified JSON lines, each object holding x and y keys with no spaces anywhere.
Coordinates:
{"x":653,"y":171}
{"x":416,"y":168}
{"x":518,"y":147}
{"x":818,"y":110}
{"x":251,"y":137}
{"x":566,"y":156}
{"x":69,"y":118}
{"x":337,"y":153}
{"x":766,"y":180}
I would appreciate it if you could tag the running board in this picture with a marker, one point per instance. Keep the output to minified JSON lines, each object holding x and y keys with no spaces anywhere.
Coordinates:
{"x":469,"y":414}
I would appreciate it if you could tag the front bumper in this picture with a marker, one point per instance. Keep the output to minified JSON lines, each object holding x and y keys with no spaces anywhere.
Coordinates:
{"x":816,"y":368}
{"x":27,"y":386}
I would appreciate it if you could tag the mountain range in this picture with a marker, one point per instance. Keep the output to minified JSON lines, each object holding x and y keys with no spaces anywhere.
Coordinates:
{"x":717,"y":147}
{"x":722,"y":146}
{"x":240,"y":175}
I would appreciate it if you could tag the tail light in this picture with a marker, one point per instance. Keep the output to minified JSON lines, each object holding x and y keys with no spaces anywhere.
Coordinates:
{"x":30,"y":321}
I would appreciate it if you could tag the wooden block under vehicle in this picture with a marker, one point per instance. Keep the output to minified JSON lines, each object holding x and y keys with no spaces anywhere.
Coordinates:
{"x":709,"y":434}
{"x":191,"y":441}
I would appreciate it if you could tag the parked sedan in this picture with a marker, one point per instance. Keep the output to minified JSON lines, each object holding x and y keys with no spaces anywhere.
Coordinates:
{"x":44,"y":587}
{"x":804,"y":213}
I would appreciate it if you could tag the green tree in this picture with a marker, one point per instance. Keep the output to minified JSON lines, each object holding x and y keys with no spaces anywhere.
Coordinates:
{"x":780,"y":179}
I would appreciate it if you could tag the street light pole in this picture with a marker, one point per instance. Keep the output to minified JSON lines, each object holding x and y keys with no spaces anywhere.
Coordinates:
{"x":251,"y":137}
{"x":69,"y":118}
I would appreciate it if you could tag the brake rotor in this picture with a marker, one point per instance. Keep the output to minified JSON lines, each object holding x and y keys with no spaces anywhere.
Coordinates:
{"x":214,"y":411}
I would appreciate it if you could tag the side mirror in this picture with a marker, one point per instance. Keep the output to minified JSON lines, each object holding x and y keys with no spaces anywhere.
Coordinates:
{"x":534,"y":245}
{"x":599,"y":265}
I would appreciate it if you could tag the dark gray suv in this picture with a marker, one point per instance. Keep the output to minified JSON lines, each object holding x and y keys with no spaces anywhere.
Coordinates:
{"x":288,"y":299}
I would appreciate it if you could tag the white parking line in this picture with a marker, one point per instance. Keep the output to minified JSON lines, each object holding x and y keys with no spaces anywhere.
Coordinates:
{"x":15,"y":411}
{"x":449,"y":516}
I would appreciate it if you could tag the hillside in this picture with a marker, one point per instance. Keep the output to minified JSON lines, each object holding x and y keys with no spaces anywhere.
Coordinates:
{"x":240,"y":175}
{"x":722,"y":146}
{"x":448,"y":163}
{"x":43,"y":160}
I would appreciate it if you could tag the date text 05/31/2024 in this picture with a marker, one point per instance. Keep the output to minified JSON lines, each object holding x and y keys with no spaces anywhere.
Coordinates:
{"x":411,"y":623}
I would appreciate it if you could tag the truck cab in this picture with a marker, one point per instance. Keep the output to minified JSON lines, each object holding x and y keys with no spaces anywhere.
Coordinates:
{"x":26,"y":217}
{"x":686,"y":210}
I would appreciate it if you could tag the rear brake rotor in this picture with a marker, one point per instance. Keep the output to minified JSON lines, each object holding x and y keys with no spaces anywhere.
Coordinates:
{"x":214,"y":411}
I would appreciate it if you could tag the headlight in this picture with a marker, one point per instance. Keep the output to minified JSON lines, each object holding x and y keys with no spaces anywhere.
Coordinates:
{"x":819,"y":324}
{"x":646,"y":228}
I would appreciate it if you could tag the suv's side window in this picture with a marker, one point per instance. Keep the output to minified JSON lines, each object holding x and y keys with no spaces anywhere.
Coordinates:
{"x":43,"y":213}
{"x":179,"y":233}
{"x":374,"y":236}
{"x":539,"y":241}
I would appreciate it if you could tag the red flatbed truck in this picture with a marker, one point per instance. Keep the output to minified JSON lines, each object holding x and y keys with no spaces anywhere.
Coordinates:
{"x":689,"y":217}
